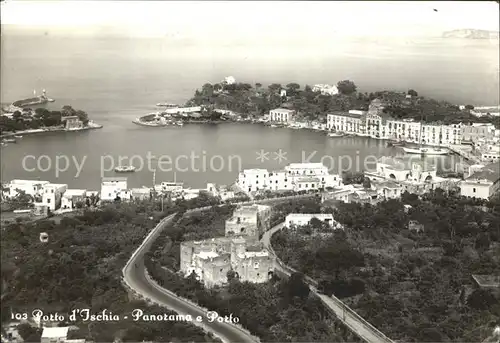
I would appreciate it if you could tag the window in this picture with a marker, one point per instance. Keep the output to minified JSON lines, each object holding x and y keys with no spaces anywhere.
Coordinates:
{"x":48,"y":201}
{"x":473,"y":190}
{"x":256,"y":265}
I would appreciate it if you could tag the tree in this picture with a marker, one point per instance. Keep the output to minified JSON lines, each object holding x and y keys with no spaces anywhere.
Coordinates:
{"x":296,"y":287}
{"x":469,"y":107}
{"x":412,"y":93}
{"x":67,"y":110}
{"x":346,"y":87}
{"x":292,"y":88}
{"x":258,"y":85}
{"x":274,"y":87}
{"x":367,"y":183}
{"x":481,"y":299}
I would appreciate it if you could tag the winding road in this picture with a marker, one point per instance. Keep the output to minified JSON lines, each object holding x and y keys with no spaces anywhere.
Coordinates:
{"x":350,"y":318}
{"x":136,"y":279}
{"x":135,"y":276}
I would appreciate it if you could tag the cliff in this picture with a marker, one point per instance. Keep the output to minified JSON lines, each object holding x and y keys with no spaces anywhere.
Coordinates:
{"x":471,"y":34}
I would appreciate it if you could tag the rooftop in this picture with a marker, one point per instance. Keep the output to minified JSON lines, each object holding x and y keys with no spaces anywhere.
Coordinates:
{"x":490,"y":172}
{"x":312,"y":215}
{"x":74,"y":192}
{"x":207,"y":254}
{"x":307,"y":179}
{"x":405,"y":163}
{"x":286,"y":110}
{"x":34,"y":182}
{"x":55,"y":185}
{"x":263,"y":253}
{"x":346,"y":114}
{"x":305,"y":165}
{"x":55,"y":332}
{"x":114,"y":178}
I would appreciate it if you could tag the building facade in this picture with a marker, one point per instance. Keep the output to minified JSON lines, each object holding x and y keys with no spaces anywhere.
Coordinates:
{"x":303,"y":219}
{"x":326,"y":89}
{"x":52,"y":195}
{"x":29,"y":187}
{"x":376,"y":124}
{"x":281,"y":115}
{"x":482,"y":184}
{"x":295,"y":177}
{"x":113,"y":188}
{"x":72,"y":197}
{"x":212,"y":259}
{"x":250,"y":221}
{"x":72,"y":123}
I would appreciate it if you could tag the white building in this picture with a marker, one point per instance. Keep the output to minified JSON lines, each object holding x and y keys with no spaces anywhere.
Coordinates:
{"x":54,"y":334}
{"x":72,"y":197}
{"x":295,"y":177}
{"x":229,"y":80}
{"x":482,"y":184}
{"x":113,"y":187}
{"x":345,"y":122}
{"x":52,"y":195}
{"x":182,"y":110}
{"x":170,"y":187}
{"x":338,"y":194}
{"x":143,"y":193}
{"x":303,"y":219}
{"x":222,"y":191}
{"x":30,"y":187}
{"x":490,"y":153}
{"x":326,"y":89}
{"x":282,"y":115}
{"x":377,"y":124}
{"x":396,"y":169}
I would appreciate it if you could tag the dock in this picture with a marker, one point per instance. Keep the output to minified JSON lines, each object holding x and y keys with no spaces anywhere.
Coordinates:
{"x":468,"y":156}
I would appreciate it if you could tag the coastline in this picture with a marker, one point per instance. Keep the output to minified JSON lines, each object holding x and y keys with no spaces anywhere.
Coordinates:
{"x":47,"y":130}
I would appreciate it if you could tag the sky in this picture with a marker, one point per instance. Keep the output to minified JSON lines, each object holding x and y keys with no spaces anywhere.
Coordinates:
{"x":240,"y":20}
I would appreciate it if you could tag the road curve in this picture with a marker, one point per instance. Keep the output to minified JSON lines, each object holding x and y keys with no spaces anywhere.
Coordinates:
{"x":351,"y":319}
{"x":135,"y":277}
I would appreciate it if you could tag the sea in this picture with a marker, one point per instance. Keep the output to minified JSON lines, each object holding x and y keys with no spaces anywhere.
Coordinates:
{"x":116,"y":80}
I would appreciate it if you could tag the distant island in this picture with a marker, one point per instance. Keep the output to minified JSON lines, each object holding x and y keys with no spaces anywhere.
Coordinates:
{"x":471,"y":34}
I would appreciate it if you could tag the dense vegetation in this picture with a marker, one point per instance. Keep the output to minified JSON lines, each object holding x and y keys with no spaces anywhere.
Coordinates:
{"x":39,"y":118}
{"x":255,"y":101}
{"x":277,"y":311}
{"x":411,"y":286}
{"x":80,"y":267}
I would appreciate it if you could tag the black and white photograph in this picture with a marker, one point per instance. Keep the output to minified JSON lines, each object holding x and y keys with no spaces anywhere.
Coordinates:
{"x":250,"y":171}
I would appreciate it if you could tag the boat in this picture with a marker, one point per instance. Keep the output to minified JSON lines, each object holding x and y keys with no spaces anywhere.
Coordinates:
{"x":336,"y":134}
{"x":36,"y":100}
{"x":18,"y":137}
{"x":426,"y":151}
{"x":166,"y":104}
{"x":391,"y":143}
{"x":179,"y":123}
{"x":125,"y":169}
{"x":9,"y":140}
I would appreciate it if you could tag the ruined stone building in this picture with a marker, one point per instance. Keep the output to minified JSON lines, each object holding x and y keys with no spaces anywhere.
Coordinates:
{"x":249,"y":221}
{"x":240,"y":251}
